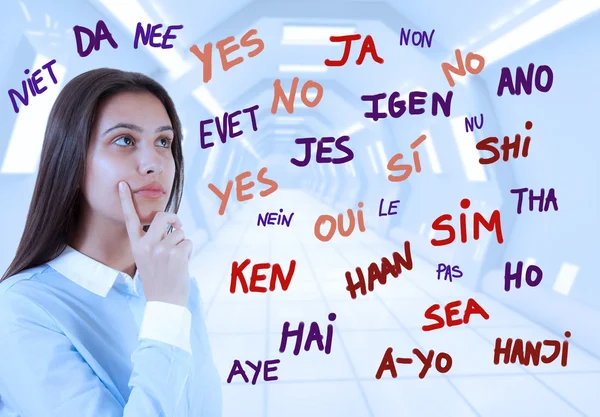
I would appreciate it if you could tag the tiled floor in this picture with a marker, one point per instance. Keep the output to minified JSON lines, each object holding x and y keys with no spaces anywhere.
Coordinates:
{"x":342,"y":383}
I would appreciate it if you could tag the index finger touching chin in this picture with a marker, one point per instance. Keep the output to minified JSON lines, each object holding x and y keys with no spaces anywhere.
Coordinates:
{"x":132,"y":220}
{"x":126,"y":201}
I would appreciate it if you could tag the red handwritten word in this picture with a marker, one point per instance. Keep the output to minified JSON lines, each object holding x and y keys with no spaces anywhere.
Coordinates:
{"x":530,"y":353}
{"x":237,"y":273}
{"x":288,"y":101}
{"x":205,"y":55}
{"x":327,"y":218}
{"x":487,"y":144}
{"x":387,"y":363}
{"x":367,"y":46}
{"x":451,"y":311}
{"x":407,"y":168}
{"x":460,"y":70}
{"x":240,"y":188}
{"x":380,"y":275}
{"x":490,"y":225}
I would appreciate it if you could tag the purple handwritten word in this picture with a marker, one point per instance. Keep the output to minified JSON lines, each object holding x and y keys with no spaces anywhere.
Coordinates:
{"x":550,"y":198}
{"x":270,"y":218}
{"x":238,"y":369}
{"x":33,"y":83}
{"x":396,"y":107}
{"x":314,"y":335}
{"x":101,"y":33}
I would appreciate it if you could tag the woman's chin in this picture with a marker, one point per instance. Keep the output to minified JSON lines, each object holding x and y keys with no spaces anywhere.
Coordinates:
{"x":147,"y":208}
{"x":146,"y":219}
{"x":147,"y":212}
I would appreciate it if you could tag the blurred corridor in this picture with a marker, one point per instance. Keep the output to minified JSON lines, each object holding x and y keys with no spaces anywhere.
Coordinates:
{"x":248,"y":327}
{"x":560,"y":34}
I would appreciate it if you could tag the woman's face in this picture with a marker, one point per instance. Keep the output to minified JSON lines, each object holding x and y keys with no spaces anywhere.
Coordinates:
{"x":131,"y":142}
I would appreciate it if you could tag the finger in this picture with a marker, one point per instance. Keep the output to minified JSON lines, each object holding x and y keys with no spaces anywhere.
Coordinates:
{"x":132,"y":221}
{"x":173,"y":238}
{"x":158,"y":228}
{"x":187,"y":246}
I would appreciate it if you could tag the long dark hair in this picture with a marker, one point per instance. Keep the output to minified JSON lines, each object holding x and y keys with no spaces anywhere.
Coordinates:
{"x":55,"y":207}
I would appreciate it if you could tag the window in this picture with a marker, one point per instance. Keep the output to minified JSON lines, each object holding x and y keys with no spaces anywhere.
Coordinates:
{"x":433,"y":159}
{"x":566,"y":278}
{"x":373,"y":163}
{"x":382,"y":156}
{"x":469,"y":154}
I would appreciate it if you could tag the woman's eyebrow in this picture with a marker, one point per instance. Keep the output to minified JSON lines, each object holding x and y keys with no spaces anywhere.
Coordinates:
{"x":136,"y":128}
{"x":164,"y":129}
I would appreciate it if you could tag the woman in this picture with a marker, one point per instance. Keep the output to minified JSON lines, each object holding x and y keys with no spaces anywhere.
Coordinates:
{"x":98,"y":314}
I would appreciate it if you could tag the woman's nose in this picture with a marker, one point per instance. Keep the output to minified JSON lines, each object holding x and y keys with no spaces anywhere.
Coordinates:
{"x":152,"y":169}
{"x":150,"y":163}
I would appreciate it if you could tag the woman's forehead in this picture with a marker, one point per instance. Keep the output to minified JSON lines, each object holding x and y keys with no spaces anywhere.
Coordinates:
{"x":138,"y":108}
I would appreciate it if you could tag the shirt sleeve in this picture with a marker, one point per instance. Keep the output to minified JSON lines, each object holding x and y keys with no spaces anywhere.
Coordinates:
{"x":43,"y":375}
{"x":167,"y":323}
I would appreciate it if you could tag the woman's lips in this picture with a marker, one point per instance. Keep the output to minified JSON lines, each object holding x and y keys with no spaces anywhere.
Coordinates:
{"x":150,"y":194}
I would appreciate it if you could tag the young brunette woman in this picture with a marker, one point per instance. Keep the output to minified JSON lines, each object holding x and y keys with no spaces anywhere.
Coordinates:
{"x":98,"y":314}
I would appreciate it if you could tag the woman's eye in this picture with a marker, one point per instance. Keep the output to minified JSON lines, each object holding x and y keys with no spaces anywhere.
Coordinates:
{"x":164,"y":142}
{"x":125,"y":141}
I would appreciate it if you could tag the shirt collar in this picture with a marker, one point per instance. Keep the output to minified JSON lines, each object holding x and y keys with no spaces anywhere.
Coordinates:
{"x":92,"y":275}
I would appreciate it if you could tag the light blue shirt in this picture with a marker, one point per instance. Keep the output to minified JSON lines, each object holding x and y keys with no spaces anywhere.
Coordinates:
{"x":78,"y":339}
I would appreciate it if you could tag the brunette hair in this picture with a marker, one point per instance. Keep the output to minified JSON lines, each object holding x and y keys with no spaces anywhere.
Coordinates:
{"x":54,"y":211}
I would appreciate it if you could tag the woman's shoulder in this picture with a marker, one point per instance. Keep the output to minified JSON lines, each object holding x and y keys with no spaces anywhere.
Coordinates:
{"x":22,"y":294}
{"x":21,"y":279}
{"x":24,"y":314}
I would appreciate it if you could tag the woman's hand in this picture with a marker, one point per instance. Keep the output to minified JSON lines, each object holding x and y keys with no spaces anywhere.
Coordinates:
{"x":162,"y":260}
